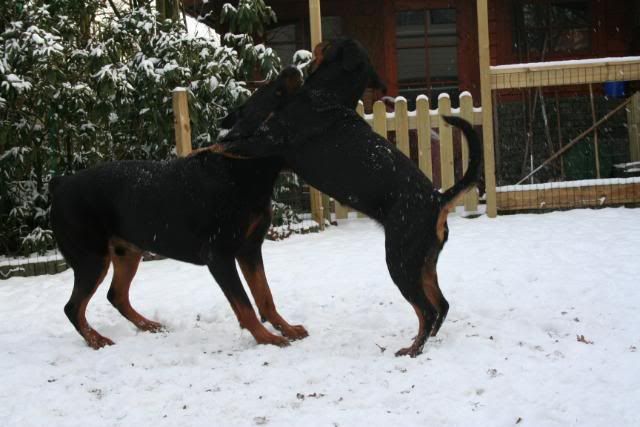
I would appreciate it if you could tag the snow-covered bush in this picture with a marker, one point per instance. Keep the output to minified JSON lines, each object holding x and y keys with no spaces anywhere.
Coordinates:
{"x":80,"y":83}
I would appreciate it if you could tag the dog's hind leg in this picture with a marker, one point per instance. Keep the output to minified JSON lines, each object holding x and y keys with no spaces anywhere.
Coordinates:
{"x":427,"y":315}
{"x":253,"y":270}
{"x":88,"y":273}
{"x":223,"y":269}
{"x":125,"y":265}
{"x":434,"y":295}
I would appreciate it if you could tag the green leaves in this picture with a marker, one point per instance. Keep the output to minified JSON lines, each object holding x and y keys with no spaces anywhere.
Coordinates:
{"x":79,"y":85}
{"x":250,"y":17}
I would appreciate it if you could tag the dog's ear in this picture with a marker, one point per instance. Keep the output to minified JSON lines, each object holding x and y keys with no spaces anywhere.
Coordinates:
{"x":325,"y":51}
{"x":353,"y":56}
{"x":293,"y":82}
{"x":290,"y":81}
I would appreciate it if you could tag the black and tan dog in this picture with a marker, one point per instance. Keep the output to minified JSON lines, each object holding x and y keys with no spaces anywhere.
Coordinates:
{"x":320,"y":137}
{"x":204,"y":209}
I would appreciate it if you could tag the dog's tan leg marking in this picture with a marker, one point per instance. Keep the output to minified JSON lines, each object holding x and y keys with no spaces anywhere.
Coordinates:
{"x":125,"y":267}
{"x":257,"y":281}
{"x":249,"y":321}
{"x":90,"y":335}
{"x":434,"y":294}
{"x":416,"y":347}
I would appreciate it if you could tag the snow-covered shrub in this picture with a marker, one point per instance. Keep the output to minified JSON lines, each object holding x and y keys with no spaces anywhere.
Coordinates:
{"x":80,"y":83}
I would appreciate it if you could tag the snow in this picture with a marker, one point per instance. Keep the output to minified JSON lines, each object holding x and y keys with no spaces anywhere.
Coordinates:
{"x":569,"y":184}
{"x":571,"y":62}
{"x":50,"y":255}
{"x":522,"y":289}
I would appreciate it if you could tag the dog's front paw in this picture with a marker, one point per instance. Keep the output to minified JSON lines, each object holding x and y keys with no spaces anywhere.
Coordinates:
{"x":150,"y":326}
{"x":294,"y":332}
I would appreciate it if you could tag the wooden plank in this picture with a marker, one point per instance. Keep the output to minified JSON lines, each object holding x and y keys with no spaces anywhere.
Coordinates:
{"x":561,"y":73}
{"x":315,"y":27}
{"x":315,"y":23}
{"x":181,"y":122}
{"x":380,"y":118}
{"x":402,"y":126}
{"x":447,"y":173}
{"x":466,"y":112}
{"x":423,"y":126}
{"x":633,"y":121}
{"x":487,"y":108}
{"x":570,"y":197}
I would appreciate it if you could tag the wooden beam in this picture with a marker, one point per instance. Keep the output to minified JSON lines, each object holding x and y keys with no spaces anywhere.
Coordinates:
{"x":466,"y":112}
{"x":563,"y":73}
{"x":487,"y":108}
{"x":588,"y":196}
{"x":447,"y":171}
{"x":633,"y":117}
{"x":315,"y":24}
{"x":181,"y":122}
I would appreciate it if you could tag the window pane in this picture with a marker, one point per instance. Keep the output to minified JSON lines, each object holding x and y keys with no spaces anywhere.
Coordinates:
{"x":563,"y":25}
{"x":410,"y":18}
{"x":283,"y":41}
{"x":443,"y":16}
{"x":533,"y":16}
{"x":331,"y":27}
{"x":443,"y":64}
{"x":573,"y":40}
{"x":411,"y":64}
{"x":570,"y":15}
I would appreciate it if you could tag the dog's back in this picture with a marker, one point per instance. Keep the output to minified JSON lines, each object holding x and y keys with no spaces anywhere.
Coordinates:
{"x":169,"y":208}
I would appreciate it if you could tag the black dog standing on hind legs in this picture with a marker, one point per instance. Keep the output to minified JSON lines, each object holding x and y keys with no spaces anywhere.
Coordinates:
{"x":321,"y":138}
{"x":204,"y":209}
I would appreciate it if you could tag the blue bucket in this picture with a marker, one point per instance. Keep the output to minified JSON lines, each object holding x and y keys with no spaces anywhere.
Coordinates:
{"x":615,"y":89}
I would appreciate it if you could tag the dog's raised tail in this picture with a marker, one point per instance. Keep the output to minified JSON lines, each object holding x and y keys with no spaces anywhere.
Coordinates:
{"x":472,"y":175}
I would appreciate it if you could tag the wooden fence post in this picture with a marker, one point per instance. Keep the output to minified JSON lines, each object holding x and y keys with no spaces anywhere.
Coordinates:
{"x":423,"y":123}
{"x":484,"y":53}
{"x":380,"y":119}
{"x":633,"y":117}
{"x":402,"y":126}
{"x":315,"y":24}
{"x":446,"y":143}
{"x":466,"y":112}
{"x":181,"y":122}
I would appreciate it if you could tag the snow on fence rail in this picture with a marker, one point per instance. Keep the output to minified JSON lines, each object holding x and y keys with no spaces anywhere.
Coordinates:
{"x":588,"y":193}
{"x":561,"y":73}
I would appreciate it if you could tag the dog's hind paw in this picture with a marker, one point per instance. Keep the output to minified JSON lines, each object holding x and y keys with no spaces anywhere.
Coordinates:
{"x":276,"y":340}
{"x":151,"y":326}
{"x":412,"y":351}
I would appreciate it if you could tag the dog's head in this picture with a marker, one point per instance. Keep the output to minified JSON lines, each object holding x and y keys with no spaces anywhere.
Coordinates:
{"x":265,"y":101}
{"x":342,"y":67}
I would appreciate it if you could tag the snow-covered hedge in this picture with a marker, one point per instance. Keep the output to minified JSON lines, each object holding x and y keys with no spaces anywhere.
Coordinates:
{"x":79,"y":85}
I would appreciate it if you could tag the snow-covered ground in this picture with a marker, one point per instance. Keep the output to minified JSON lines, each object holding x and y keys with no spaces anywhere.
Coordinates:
{"x":522,"y":289}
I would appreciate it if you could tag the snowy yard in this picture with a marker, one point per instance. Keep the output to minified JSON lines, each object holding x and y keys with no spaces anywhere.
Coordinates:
{"x":521,"y":288}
